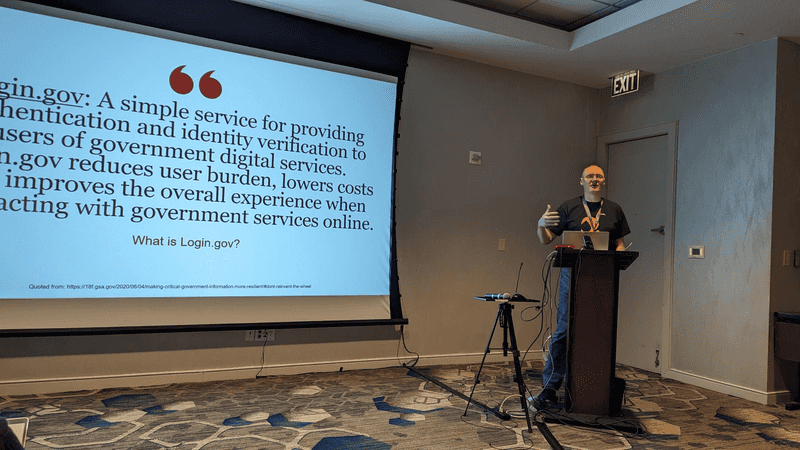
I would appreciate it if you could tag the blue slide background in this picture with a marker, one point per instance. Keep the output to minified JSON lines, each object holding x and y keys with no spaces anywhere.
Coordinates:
{"x":96,"y":255}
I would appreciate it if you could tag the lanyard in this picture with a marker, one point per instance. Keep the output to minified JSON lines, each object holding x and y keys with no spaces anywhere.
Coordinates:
{"x":594,"y":222}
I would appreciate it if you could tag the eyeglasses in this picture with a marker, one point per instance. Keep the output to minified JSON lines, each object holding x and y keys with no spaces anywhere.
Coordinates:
{"x":598,"y":176}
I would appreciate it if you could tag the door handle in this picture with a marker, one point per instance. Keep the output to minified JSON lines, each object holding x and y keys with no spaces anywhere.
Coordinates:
{"x":659,"y":230}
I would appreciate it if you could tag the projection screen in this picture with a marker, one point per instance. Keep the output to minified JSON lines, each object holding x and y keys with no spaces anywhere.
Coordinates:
{"x":150,"y":178}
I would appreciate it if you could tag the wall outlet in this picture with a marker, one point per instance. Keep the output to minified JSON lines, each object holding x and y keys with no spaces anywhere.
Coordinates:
{"x":265,"y":335}
{"x":787,"y":258}
{"x":475,"y":158}
{"x":250,"y":335}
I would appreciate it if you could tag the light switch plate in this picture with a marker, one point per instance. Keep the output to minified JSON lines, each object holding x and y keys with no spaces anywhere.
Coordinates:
{"x":697,"y":251}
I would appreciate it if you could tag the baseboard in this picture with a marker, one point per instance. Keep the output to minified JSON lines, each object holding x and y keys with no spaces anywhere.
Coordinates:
{"x":95,"y":383}
{"x":379,"y":363}
{"x":723,"y":387}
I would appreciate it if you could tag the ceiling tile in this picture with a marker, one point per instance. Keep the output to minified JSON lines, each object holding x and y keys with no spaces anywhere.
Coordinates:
{"x":591,"y":18}
{"x":561,"y":12}
{"x":506,"y":6}
{"x":624,"y":3}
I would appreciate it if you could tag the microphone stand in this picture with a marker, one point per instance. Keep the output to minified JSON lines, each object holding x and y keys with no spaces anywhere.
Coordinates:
{"x":504,"y":318}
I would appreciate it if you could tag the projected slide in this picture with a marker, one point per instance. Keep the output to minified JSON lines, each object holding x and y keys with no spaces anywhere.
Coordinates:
{"x":135,"y":166}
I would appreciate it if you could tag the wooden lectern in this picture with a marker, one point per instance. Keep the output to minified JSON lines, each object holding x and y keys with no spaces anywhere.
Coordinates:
{"x":591,"y":387}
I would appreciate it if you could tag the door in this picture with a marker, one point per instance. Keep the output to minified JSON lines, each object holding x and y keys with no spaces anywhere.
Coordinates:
{"x":637,"y":181}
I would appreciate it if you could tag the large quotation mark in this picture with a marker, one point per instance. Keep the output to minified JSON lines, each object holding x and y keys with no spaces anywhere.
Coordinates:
{"x":210,"y":87}
{"x":183,"y":83}
{"x":180,"y":82}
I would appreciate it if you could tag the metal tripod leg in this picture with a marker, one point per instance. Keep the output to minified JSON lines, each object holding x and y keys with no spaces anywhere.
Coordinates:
{"x":498,"y":413}
{"x":520,"y":382}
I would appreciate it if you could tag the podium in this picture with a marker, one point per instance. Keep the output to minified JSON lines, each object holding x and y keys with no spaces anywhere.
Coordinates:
{"x":591,"y":387}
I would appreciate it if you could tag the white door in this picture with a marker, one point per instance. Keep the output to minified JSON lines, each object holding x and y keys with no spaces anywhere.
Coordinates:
{"x":637,"y":181}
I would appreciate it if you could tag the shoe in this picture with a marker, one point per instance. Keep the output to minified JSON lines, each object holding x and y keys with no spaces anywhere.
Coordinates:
{"x":547,"y":398}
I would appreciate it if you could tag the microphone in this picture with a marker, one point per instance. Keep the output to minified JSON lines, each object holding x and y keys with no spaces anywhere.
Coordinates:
{"x":515,"y":297}
{"x":494,"y":297}
{"x":521,"y":298}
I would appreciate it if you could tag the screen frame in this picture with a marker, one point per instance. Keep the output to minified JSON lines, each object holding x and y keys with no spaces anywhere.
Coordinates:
{"x":201,"y":23}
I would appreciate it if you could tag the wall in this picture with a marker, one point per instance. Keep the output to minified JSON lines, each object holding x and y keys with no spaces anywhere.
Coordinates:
{"x":535,"y":135}
{"x":785,"y":282}
{"x":725,"y":109}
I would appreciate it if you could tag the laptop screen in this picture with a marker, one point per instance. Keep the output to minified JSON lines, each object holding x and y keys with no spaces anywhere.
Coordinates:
{"x":575,"y":238}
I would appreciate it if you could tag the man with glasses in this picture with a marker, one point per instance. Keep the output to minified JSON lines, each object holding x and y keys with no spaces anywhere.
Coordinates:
{"x":589,"y":212}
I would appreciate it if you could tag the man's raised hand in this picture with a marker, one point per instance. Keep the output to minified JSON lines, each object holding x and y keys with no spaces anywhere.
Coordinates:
{"x":549,"y":218}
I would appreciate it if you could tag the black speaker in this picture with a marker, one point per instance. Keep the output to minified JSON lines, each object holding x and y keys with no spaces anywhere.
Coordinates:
{"x":617,"y":392}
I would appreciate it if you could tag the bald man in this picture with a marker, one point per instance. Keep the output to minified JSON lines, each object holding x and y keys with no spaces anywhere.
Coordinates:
{"x":589,"y":212}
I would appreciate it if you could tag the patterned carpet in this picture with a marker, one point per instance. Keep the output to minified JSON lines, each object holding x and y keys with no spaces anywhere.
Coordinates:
{"x":388,"y":409}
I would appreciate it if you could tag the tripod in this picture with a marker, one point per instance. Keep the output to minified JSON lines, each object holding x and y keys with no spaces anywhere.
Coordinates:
{"x":504,"y":318}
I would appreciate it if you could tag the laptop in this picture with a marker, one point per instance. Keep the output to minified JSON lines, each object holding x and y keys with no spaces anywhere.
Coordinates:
{"x":575,"y":238}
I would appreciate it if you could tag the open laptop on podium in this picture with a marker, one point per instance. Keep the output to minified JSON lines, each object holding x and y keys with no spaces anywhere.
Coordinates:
{"x":599,"y":239}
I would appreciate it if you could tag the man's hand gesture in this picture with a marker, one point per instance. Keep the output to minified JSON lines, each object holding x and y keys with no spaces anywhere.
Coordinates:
{"x":549,"y":218}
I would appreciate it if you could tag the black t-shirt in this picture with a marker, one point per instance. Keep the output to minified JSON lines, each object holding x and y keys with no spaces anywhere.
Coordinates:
{"x":572,"y":217}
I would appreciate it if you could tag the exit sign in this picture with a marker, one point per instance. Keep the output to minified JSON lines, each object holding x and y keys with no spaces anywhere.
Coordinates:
{"x":625,"y":83}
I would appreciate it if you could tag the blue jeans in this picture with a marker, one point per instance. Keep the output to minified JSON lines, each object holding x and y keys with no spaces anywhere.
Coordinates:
{"x":556,"y":365}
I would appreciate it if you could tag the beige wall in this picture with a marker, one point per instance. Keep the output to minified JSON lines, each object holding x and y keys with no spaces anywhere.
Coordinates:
{"x":451,"y":215}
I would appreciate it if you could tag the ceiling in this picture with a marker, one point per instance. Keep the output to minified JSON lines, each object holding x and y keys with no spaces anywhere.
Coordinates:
{"x":567,"y":15}
{"x":533,"y":36}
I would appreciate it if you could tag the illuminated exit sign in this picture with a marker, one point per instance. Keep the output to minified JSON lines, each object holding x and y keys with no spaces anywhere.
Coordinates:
{"x":625,"y":83}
